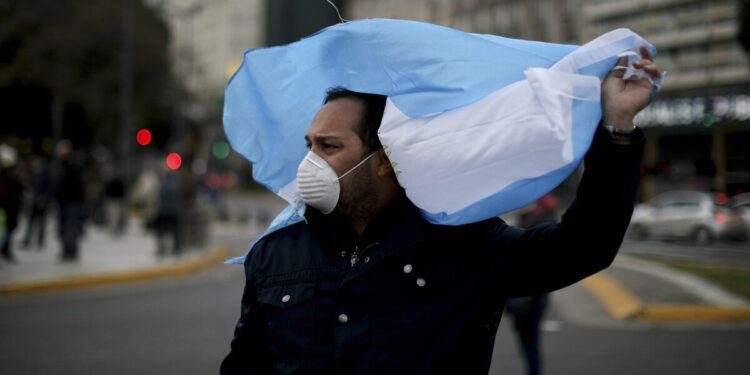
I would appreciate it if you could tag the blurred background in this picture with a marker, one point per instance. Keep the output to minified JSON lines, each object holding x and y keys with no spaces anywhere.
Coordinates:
{"x":120,"y":102}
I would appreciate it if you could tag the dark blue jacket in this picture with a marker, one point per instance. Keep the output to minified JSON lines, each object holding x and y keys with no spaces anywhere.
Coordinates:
{"x":410,"y":297}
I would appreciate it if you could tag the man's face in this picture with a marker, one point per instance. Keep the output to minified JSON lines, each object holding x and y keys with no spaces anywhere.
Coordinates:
{"x":333,"y":137}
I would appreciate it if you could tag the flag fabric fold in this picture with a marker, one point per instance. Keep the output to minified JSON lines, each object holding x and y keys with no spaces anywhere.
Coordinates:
{"x":477,"y":125}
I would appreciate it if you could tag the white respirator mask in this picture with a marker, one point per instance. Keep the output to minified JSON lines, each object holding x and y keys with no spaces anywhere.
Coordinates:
{"x":318,"y":184}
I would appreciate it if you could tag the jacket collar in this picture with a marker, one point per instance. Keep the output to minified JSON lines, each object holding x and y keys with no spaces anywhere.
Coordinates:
{"x":396,"y":226}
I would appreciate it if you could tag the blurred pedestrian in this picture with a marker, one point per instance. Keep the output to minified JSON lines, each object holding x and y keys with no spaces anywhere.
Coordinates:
{"x":10,"y":197}
{"x":69,"y":193}
{"x":144,"y":196}
{"x":167,"y":217}
{"x":527,"y":317}
{"x":190,"y":230}
{"x":115,"y":203}
{"x":41,"y":192}
{"x":528,"y":311}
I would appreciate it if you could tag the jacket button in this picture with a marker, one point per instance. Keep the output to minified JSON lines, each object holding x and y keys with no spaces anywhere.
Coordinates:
{"x":343,"y":318}
{"x":408,"y":268}
{"x":286,"y":298}
{"x":421,"y":282}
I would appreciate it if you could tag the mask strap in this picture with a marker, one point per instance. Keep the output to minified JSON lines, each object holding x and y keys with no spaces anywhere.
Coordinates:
{"x":358,"y":164}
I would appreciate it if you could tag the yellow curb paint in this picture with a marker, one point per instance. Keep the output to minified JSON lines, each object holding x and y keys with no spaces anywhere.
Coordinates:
{"x":217,"y":255}
{"x":619,"y":302}
{"x":693,"y":313}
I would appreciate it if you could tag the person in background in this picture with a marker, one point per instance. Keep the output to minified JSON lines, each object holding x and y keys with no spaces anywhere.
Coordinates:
{"x":10,"y":197}
{"x":40,"y":183}
{"x":167,"y":216}
{"x":116,"y":207}
{"x":69,"y":193}
{"x":528,"y":311}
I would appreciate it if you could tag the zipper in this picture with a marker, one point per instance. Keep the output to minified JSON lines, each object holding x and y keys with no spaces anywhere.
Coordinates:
{"x":357,"y":254}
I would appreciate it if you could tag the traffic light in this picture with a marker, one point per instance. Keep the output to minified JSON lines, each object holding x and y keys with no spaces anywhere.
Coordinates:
{"x":143,"y":137}
{"x":221,"y":150}
{"x":174,"y":160}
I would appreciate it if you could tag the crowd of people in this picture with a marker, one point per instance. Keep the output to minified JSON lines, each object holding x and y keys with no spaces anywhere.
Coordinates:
{"x":33,"y":185}
{"x":78,"y":189}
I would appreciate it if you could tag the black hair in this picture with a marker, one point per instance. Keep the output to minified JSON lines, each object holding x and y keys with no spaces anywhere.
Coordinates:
{"x":370,"y":123}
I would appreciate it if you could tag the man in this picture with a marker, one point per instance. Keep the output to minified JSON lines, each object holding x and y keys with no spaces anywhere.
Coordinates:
{"x":69,"y":192}
{"x":366,"y":285}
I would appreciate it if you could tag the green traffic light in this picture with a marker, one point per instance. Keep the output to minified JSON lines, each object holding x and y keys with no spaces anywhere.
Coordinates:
{"x":221,"y":149}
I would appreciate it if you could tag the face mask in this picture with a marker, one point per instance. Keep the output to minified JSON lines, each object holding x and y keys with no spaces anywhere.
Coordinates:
{"x":318,"y":184}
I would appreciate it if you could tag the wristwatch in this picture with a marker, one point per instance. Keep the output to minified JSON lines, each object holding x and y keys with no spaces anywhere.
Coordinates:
{"x":620,"y":136}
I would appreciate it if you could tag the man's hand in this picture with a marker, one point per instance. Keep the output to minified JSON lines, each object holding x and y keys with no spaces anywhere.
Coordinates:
{"x":622,"y":100}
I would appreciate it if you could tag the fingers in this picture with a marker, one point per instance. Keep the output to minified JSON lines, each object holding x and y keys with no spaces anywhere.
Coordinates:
{"x":646,"y":53}
{"x":649,"y":67}
{"x":623,"y":61}
{"x":647,"y":63}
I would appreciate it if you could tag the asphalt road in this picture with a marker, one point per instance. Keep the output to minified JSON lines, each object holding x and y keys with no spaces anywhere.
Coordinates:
{"x":184,"y":326}
{"x":575,"y":348}
{"x":720,"y":252}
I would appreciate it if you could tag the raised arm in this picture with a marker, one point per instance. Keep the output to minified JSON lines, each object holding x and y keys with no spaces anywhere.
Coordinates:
{"x":554,"y":255}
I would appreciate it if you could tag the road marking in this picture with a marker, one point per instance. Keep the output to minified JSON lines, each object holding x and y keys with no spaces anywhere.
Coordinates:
{"x":693,"y":313}
{"x":620,"y":303}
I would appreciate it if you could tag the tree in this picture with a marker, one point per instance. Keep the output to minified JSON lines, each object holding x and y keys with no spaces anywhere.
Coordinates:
{"x":744,"y":18}
{"x":69,"y":51}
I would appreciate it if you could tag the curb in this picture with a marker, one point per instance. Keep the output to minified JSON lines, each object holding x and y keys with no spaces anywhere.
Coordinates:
{"x":216,"y":256}
{"x":620,"y":303}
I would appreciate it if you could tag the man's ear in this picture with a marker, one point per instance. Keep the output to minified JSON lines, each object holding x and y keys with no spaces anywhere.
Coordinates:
{"x":382,"y":164}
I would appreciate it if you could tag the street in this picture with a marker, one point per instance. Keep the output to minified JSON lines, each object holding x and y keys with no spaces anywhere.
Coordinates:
{"x":145,"y":142}
{"x":184,"y":326}
{"x":723,"y":252}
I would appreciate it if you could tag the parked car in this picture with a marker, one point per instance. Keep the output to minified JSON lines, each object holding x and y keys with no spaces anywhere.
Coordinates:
{"x":698,"y":216}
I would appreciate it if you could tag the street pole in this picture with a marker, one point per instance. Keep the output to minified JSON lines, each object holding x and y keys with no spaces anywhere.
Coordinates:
{"x":126,"y":90}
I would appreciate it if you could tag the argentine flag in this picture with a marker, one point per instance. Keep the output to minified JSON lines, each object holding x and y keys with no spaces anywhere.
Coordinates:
{"x":474,"y":125}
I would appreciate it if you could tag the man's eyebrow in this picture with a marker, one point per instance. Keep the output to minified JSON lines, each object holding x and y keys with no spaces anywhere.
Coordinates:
{"x":322,"y":138}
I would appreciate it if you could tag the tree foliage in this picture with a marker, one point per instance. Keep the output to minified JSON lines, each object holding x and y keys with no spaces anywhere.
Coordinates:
{"x":744,"y":18}
{"x":71,"y":49}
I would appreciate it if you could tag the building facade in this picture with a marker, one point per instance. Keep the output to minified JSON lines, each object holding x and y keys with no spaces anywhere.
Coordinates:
{"x":209,"y":38}
{"x":548,"y":20}
{"x":698,"y":128}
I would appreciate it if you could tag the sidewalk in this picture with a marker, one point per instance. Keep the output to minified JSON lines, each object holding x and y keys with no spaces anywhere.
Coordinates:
{"x":103,"y":259}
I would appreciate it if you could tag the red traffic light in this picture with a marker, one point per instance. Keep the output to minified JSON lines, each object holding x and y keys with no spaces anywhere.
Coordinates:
{"x":143,"y":137}
{"x":174,"y":160}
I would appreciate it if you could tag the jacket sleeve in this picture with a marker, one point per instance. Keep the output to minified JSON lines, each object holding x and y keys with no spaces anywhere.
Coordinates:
{"x":249,"y":352}
{"x":554,"y":255}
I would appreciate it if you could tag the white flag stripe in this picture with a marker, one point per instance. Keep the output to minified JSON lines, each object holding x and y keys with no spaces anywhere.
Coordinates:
{"x":451,"y":160}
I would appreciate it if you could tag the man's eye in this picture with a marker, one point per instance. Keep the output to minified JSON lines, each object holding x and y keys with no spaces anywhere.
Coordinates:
{"x":326,"y":145}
